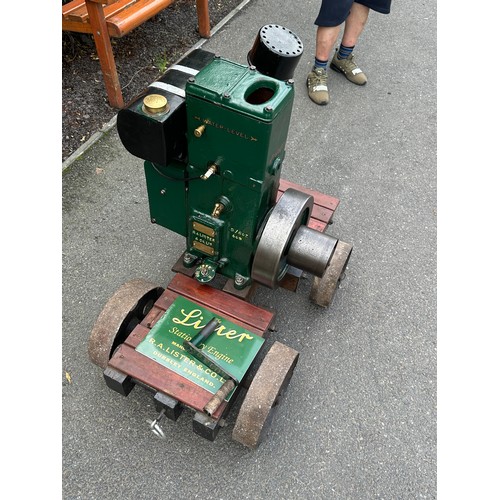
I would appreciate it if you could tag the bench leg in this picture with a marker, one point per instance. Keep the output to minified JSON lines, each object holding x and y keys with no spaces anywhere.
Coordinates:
{"x":105,"y":53}
{"x":203,"y":18}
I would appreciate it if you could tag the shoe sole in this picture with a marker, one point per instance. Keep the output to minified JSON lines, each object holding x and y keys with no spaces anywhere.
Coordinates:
{"x":343,"y":73}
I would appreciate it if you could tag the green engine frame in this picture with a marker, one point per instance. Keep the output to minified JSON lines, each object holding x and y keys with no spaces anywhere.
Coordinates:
{"x":237,"y":127}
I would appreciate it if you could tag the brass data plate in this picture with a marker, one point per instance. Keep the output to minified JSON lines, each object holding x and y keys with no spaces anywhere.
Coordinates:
{"x":203,"y":229}
{"x":203,"y":248}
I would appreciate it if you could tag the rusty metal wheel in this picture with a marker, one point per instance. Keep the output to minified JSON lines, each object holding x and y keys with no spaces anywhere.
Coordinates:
{"x":122,"y":313}
{"x":268,"y":386}
{"x":323,"y":289}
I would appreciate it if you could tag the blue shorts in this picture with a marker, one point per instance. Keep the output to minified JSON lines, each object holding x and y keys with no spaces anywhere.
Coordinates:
{"x":335,"y":12}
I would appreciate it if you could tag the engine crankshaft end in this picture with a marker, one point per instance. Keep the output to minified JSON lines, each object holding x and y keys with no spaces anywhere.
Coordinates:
{"x":311,"y":251}
{"x":286,"y":241}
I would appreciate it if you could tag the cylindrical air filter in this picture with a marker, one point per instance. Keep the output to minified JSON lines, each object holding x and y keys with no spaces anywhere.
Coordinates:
{"x":276,"y":52}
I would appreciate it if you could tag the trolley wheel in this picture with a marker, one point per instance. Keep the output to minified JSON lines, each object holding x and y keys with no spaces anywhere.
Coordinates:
{"x":268,"y":386}
{"x":121,"y":314}
{"x":323,"y":289}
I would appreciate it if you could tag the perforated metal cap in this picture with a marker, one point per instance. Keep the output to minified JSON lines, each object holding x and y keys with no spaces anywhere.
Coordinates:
{"x":276,"y":52}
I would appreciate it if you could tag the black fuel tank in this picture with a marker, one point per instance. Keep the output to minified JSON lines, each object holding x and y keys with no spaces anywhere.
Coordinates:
{"x":157,"y":134}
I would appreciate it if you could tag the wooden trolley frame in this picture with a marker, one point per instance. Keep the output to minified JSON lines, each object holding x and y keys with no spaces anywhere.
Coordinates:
{"x":266,"y":380}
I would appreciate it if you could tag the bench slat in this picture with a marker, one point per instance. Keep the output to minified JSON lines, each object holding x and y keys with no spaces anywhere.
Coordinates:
{"x":77,"y":10}
{"x":74,"y":10}
{"x":126,"y":20}
{"x":80,"y":14}
{"x":70,"y":6}
{"x":122,"y":16}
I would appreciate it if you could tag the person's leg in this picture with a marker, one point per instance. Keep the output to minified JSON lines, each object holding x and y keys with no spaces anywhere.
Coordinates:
{"x":355,"y":24}
{"x":331,"y":17}
{"x":343,"y":61}
{"x":326,"y":36}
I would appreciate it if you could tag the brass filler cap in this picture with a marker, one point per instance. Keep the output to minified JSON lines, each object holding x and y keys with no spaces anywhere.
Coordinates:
{"x":155,"y":103}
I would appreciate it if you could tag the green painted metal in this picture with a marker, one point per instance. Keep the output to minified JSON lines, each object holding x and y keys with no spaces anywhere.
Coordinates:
{"x":246,"y":116}
{"x":237,"y":126}
{"x":167,"y":195}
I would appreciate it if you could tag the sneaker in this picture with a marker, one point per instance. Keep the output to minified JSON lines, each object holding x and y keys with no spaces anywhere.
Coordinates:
{"x":316,"y":86}
{"x":349,"y":68}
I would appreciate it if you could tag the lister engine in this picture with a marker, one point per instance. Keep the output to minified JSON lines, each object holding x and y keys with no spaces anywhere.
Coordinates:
{"x":212,"y":133}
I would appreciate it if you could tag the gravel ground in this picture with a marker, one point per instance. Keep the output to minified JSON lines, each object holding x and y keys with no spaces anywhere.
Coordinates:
{"x":141,"y":57}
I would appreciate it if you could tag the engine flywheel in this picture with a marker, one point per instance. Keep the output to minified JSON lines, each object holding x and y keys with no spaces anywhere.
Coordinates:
{"x":291,"y":211}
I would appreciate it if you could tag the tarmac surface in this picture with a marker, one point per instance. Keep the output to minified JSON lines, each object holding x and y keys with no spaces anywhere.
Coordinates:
{"x":359,"y":418}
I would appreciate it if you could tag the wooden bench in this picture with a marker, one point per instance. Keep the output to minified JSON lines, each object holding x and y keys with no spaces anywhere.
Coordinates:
{"x":115,"y":18}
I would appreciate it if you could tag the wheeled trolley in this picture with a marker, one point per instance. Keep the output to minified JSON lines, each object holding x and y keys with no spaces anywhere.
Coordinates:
{"x":212,"y":133}
{"x":138,"y":305}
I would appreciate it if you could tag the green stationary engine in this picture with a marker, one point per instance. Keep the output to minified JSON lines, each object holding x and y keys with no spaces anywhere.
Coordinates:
{"x":213,"y":134}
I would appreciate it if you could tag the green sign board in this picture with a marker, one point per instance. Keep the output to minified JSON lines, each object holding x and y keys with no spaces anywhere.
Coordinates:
{"x":230,"y":346}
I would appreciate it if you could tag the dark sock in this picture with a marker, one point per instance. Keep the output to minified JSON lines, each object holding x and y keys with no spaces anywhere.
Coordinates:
{"x":320,"y":64}
{"x":344,"y":52}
